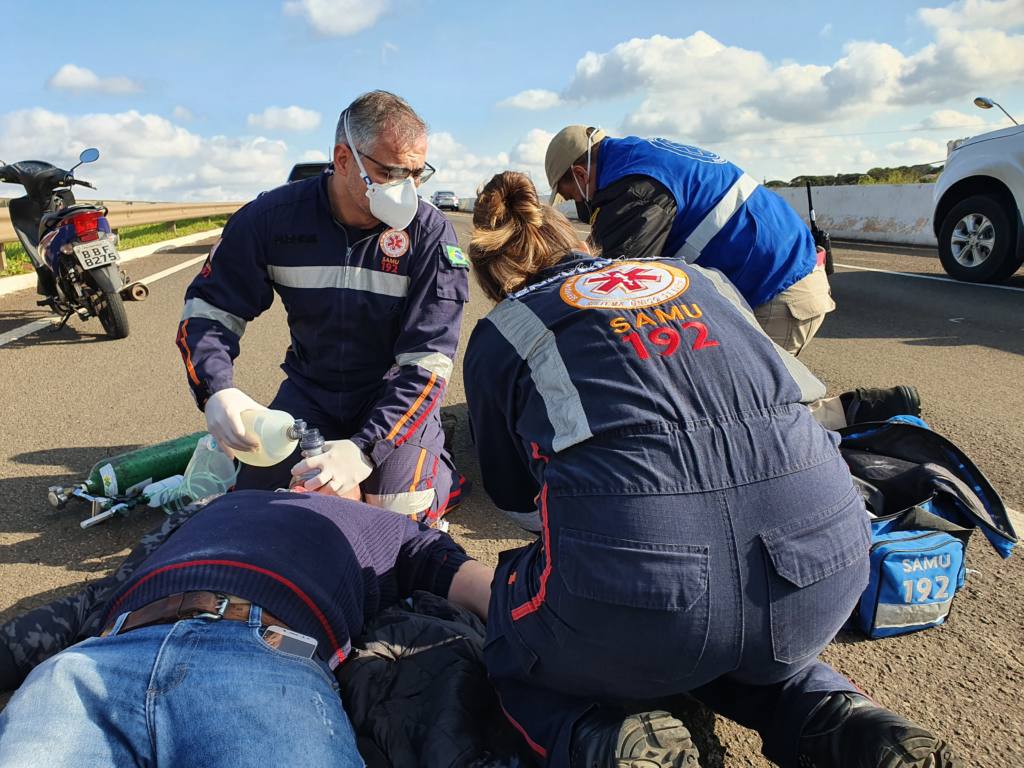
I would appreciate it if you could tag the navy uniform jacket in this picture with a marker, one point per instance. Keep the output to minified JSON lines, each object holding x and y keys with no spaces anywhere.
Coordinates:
{"x":374,"y":315}
{"x":644,"y":376}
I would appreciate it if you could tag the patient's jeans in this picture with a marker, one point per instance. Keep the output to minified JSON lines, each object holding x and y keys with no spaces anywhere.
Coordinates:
{"x":200,"y":692}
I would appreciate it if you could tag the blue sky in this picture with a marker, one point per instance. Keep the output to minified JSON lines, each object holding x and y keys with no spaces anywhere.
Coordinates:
{"x":176,"y":95}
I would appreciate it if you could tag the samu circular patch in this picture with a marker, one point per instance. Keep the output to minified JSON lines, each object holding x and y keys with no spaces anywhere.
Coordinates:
{"x":625,"y":285}
{"x":394,"y":243}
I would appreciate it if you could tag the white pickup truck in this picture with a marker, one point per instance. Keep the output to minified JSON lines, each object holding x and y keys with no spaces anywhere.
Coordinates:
{"x":979,"y":207}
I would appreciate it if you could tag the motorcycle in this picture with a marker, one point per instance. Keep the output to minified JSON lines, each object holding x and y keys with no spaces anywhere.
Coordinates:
{"x":71,"y":245}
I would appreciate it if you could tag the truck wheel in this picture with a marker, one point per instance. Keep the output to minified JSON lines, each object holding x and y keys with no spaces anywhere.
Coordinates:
{"x":113,"y":316}
{"x":978,"y":241}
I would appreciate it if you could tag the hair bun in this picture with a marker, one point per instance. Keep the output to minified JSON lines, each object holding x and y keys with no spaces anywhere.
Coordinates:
{"x":519,"y":199}
{"x":514,"y":234}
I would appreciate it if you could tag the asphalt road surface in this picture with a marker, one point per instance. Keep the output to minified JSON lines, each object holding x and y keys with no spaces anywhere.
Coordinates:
{"x":73,"y":397}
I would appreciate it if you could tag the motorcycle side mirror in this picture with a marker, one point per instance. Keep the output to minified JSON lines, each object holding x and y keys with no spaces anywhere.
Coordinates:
{"x":88,"y":156}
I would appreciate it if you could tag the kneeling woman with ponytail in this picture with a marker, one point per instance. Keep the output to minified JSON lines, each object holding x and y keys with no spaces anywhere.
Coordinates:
{"x":698,"y":529}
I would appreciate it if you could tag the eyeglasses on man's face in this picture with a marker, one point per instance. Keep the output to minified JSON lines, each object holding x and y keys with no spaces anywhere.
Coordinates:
{"x":396,"y":173}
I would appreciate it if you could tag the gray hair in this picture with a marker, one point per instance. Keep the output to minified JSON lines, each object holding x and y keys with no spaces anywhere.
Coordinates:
{"x":375,"y":113}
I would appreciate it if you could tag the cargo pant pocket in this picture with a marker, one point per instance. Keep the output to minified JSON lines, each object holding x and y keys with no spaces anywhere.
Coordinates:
{"x":816,"y":571}
{"x":659,"y":591}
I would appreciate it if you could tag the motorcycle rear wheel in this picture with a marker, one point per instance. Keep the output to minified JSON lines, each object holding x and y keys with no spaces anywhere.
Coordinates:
{"x":111,"y":312}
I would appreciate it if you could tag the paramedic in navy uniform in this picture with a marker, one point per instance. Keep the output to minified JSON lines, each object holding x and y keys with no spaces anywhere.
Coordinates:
{"x":374,"y":283}
{"x":699,"y":531}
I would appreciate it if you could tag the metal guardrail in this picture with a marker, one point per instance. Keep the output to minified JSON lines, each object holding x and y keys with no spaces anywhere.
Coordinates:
{"x":130,"y":213}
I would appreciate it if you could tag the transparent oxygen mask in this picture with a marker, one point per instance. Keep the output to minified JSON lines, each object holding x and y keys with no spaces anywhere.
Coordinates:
{"x":209,"y":473}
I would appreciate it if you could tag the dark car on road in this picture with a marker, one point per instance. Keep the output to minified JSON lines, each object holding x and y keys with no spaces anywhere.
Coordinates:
{"x":306,"y":170}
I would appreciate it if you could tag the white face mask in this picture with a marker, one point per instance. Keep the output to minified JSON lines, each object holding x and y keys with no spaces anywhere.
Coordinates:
{"x":394,"y":204}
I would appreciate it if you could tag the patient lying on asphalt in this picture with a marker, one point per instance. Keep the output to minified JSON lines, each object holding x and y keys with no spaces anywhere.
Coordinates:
{"x":253,"y":602}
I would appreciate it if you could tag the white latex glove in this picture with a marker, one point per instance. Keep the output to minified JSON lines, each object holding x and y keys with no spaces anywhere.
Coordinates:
{"x":224,"y":420}
{"x":342,"y":466}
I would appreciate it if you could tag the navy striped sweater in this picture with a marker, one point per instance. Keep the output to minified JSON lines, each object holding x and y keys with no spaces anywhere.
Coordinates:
{"x":320,"y":564}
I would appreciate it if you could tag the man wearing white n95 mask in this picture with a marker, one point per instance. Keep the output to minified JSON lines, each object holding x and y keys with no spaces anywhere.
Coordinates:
{"x":374,"y":283}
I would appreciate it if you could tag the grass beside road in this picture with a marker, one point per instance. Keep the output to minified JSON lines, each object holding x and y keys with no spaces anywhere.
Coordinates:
{"x":129,"y":237}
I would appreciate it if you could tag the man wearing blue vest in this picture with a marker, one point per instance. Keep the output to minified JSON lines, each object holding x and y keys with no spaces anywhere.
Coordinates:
{"x":645,"y":197}
{"x":374,"y":283}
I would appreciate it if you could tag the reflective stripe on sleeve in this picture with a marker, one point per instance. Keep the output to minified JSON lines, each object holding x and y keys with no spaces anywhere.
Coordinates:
{"x":811,"y":388}
{"x":354,"y":278}
{"x":414,"y":503}
{"x":535,"y":343}
{"x":718,"y":217}
{"x":431,"y":362}
{"x":204,"y":309}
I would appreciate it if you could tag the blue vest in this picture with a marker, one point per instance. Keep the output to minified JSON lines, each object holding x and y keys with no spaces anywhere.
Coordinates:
{"x":724,"y":219}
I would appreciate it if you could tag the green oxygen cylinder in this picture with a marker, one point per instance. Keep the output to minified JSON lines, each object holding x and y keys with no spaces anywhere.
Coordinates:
{"x":128,"y":473}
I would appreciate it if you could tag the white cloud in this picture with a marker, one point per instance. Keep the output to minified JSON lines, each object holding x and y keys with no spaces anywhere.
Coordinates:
{"x":791,"y":153}
{"x":532,"y":99}
{"x":532,"y":148}
{"x":459,"y":169}
{"x":293,"y":118}
{"x":825,"y":31}
{"x":337,"y":18}
{"x":463,"y":171}
{"x":916,"y":151}
{"x":951,"y":118}
{"x":74,"y":78}
{"x":386,"y":50}
{"x":147,"y":157}
{"x":313,"y":156}
{"x":974,"y":14}
{"x":182,"y":114}
{"x":701,"y":90}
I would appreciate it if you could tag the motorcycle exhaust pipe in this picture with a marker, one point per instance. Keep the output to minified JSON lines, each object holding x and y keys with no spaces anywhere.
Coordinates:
{"x":136,"y":291}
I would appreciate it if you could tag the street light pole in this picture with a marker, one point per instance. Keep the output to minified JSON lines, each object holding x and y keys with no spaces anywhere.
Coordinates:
{"x":984,"y":102}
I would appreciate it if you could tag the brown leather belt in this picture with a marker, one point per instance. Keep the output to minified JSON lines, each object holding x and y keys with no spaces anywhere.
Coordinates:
{"x":190,"y":605}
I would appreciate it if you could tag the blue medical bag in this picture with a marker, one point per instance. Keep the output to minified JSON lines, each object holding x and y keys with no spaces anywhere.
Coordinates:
{"x":925,"y":497}
{"x":914,"y":577}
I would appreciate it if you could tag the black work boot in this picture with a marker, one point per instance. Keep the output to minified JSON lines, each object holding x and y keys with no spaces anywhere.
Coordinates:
{"x":646,"y":740}
{"x":848,"y":730}
{"x":879,"y":404}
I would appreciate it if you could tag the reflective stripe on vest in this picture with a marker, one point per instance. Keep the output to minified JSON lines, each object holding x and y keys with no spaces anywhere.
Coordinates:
{"x":717,"y":218}
{"x":535,"y":343}
{"x":354,"y":278}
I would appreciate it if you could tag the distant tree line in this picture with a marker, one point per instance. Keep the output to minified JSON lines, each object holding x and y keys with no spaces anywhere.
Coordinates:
{"x":904,"y":174}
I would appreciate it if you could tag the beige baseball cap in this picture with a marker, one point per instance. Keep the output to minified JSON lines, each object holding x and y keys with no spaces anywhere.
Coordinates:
{"x":567,"y":145}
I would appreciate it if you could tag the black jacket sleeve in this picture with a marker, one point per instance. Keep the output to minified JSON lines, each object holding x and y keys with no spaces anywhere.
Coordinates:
{"x":31,"y":638}
{"x":632,"y":217}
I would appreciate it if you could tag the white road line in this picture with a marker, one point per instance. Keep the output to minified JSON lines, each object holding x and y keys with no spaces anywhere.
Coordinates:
{"x":172,"y":270}
{"x":932,"y":277}
{"x":24,"y":330}
{"x":36,"y":325}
